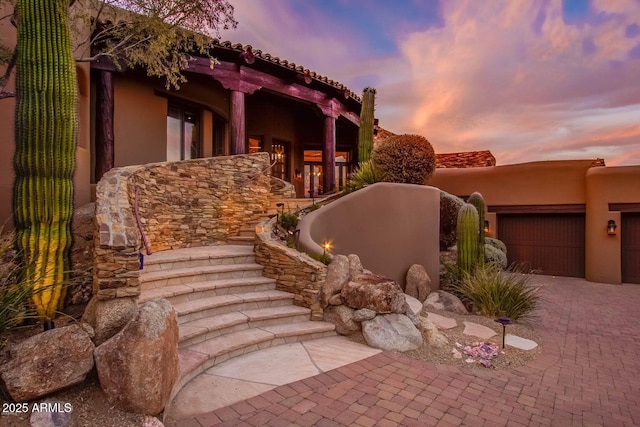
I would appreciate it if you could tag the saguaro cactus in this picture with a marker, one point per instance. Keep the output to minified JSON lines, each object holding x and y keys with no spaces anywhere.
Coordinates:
{"x":44,"y":160}
{"x":365,"y":133}
{"x":477,"y":200}
{"x":467,"y":237}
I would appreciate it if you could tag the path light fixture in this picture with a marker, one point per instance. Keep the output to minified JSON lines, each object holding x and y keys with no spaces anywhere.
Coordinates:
{"x":280,"y":207}
{"x":504,"y":321}
{"x":611,"y":227}
{"x":326,"y":247}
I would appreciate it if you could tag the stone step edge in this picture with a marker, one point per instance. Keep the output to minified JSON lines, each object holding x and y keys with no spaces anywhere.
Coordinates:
{"x":242,"y":317}
{"x":230,"y":299}
{"x":171,"y":291}
{"x":196,"y":253}
{"x":192,"y":363}
{"x":153,"y":276}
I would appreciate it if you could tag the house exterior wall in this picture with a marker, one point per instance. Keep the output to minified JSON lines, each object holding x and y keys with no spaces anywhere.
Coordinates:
{"x":558,"y":183}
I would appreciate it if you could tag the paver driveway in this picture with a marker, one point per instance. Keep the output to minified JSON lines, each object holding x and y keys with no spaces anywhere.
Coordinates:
{"x":587,"y":375}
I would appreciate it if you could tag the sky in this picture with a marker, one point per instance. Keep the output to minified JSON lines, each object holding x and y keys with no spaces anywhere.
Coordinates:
{"x":529,"y":80}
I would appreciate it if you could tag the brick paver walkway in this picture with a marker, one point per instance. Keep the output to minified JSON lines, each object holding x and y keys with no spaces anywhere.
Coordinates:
{"x":587,"y":375}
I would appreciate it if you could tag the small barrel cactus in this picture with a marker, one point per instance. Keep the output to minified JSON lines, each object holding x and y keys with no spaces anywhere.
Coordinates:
{"x":477,"y":200}
{"x":468,"y":238}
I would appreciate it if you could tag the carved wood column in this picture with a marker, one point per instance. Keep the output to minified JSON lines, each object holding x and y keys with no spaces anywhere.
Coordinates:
{"x":237,"y":122}
{"x":329,"y":155}
{"x":104,"y":138}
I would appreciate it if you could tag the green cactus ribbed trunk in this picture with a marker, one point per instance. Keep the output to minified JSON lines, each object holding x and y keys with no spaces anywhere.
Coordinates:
{"x":365,"y":133}
{"x":467,"y":238}
{"x":477,"y":200}
{"x":44,"y":160}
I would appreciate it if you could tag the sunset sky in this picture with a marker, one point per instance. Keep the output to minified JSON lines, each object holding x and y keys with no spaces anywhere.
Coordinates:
{"x":528,"y":80}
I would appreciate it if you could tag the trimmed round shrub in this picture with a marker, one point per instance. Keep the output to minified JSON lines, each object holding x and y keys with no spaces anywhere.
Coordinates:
{"x":407,"y":159}
{"x":449,"y":207}
{"x":495,"y":256}
{"x":498,"y":244}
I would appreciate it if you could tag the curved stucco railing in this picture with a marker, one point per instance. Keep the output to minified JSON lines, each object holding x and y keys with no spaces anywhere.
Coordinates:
{"x":389,"y":226}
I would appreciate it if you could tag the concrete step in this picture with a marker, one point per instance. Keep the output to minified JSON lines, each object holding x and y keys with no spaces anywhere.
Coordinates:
{"x":184,"y":276}
{"x":222,"y":304}
{"x":198,"y":257}
{"x":211,"y":327}
{"x":248,"y":241}
{"x":248,"y":231}
{"x":177,"y":294}
{"x":199,"y":357}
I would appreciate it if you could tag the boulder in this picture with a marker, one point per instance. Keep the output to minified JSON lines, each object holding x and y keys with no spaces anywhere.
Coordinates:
{"x":342,"y":317}
{"x":355,"y":266}
{"x":54,"y":413}
{"x":392,"y":332}
{"x":375,"y":292}
{"x":418,"y":283}
{"x":441,"y":300}
{"x":363,"y":314}
{"x":48,"y":362}
{"x":337,"y":277}
{"x":412,"y":316}
{"x":138,"y":366}
{"x":109,"y":317}
{"x":336,"y":300}
{"x":414,"y":304}
{"x":434,"y":336}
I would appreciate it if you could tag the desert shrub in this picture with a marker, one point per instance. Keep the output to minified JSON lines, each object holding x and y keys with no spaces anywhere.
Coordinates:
{"x":288,"y":221}
{"x":407,"y":159}
{"x":323,"y":258}
{"x":495,"y":255}
{"x":365,"y":174}
{"x":14,"y":296}
{"x":449,"y":207}
{"x":491,"y":292}
{"x":498,"y":244}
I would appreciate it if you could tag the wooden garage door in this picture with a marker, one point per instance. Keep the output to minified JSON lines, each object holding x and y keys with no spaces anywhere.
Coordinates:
{"x":552,"y":243}
{"x":630,"y":247}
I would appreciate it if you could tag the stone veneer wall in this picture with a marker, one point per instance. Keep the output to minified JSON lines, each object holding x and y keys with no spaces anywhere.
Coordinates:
{"x":181,"y":204}
{"x":294,"y":271}
{"x":281,"y":189}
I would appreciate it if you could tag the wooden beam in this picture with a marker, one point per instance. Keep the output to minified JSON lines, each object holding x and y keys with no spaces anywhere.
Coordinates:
{"x":537,"y":209}
{"x":104,"y":136}
{"x":237,"y":122}
{"x":329,"y":155}
{"x":624,"y":207}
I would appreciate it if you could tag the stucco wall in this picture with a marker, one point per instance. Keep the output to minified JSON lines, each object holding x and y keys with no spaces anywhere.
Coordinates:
{"x":603,"y":252}
{"x":389,"y":226}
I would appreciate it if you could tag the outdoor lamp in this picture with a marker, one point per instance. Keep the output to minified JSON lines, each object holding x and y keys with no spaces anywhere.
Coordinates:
{"x":504,"y":321}
{"x":611,"y":227}
{"x":486,"y":225}
{"x":326,"y":247}
{"x":298,"y":174}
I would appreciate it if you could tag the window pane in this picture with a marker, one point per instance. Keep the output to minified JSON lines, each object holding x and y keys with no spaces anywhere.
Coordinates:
{"x":174,"y":137}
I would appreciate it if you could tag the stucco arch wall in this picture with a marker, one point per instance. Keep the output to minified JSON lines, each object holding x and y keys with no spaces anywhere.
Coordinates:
{"x":603,"y":252}
{"x":390,"y":226}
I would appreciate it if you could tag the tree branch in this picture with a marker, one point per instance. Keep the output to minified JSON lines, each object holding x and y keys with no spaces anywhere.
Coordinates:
{"x":4,"y":80}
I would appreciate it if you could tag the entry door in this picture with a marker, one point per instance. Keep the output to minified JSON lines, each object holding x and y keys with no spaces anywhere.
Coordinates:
{"x":630,"y":231}
{"x":551,"y":243}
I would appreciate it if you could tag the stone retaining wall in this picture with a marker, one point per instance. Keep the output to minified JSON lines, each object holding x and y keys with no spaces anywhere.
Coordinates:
{"x":294,"y":271}
{"x":181,"y":204}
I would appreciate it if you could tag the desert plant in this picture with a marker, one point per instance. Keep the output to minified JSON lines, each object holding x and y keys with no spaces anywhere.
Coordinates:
{"x":289,"y":221}
{"x":498,"y":244}
{"x":365,"y":174}
{"x":495,"y":256}
{"x":492,"y":292}
{"x":477,"y":200}
{"x":324,"y":258}
{"x":449,"y":207}
{"x":408,"y":159}
{"x":365,"y":132}
{"x":467,"y":229}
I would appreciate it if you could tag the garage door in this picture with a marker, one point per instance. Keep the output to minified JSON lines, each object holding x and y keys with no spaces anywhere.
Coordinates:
{"x":630,"y":247}
{"x":552,"y":243}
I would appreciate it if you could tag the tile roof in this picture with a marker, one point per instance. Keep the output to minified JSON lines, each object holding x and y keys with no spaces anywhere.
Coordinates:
{"x":468,"y":159}
{"x":248,"y":53}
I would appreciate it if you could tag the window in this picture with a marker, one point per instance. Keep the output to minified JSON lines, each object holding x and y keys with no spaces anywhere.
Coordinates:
{"x":279,"y":157}
{"x":183,"y":133}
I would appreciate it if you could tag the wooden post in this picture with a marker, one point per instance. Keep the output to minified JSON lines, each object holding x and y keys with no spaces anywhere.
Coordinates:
{"x":237,"y":122}
{"x":104,"y":139}
{"x":329,"y":155}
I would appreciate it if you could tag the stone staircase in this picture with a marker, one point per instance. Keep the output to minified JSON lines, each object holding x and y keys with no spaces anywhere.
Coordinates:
{"x":225,"y":306}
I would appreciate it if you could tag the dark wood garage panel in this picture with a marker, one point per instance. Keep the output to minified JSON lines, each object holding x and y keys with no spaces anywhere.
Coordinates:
{"x":630,"y":231}
{"x":552,"y":243}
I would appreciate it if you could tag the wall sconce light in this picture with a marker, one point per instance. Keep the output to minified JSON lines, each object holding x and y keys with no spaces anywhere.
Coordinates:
{"x":486,"y":225}
{"x":611,"y":227}
{"x":298,"y":174}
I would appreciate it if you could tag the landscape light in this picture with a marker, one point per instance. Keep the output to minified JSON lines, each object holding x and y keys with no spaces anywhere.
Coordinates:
{"x":504,"y":321}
